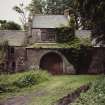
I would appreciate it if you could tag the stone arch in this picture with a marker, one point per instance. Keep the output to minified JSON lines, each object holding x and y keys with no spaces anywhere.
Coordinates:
{"x":52,"y":61}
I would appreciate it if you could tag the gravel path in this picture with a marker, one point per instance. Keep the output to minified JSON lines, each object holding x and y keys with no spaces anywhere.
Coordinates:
{"x":22,"y":100}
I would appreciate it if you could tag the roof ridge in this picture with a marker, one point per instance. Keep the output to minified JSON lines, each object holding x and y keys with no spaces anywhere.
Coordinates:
{"x":12,"y":30}
{"x":48,"y":15}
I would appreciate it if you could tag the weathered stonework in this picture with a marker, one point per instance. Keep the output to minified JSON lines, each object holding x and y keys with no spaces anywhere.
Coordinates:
{"x":21,"y":57}
{"x":97,"y":64}
{"x":30,"y":58}
{"x":34,"y":57}
{"x":16,"y":59}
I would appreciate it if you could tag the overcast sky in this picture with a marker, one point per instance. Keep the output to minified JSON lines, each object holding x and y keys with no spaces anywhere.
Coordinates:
{"x":6,"y":11}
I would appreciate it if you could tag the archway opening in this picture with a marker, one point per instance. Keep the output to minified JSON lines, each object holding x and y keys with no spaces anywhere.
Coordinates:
{"x":52,"y":62}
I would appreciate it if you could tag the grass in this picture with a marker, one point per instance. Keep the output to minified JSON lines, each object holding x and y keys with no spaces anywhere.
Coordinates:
{"x":60,"y":86}
{"x":17,"y":83}
{"x":95,"y":95}
{"x":48,"y":91}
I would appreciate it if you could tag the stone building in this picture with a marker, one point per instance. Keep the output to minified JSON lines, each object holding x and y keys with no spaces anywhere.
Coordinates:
{"x":37,"y":48}
{"x":15,"y":53}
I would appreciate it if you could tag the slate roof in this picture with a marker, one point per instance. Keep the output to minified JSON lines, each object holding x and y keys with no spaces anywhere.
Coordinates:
{"x":14,"y":37}
{"x":49,"y":21}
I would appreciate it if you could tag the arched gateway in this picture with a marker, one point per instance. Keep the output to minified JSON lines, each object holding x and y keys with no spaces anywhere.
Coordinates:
{"x":52,"y":62}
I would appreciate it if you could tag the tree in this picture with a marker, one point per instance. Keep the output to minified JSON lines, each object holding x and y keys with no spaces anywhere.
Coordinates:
{"x":57,"y":6}
{"x":92,"y":13}
{"x":49,"y":6}
{"x":21,"y":11}
{"x":13,"y":26}
{"x":36,"y":7}
{"x":3,"y":24}
{"x":10,"y":25}
{"x":54,"y":7}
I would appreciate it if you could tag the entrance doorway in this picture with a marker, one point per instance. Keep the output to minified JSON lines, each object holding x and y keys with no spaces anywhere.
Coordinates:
{"x":52,"y":62}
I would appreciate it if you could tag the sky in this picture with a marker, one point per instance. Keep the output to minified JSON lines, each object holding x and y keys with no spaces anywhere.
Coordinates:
{"x":7,"y":12}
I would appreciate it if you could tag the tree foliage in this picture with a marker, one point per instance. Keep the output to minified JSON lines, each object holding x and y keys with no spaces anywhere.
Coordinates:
{"x":49,"y":6}
{"x":21,"y":11}
{"x":9,"y":25}
{"x":92,"y":13}
{"x":54,"y":6}
{"x":36,"y":7}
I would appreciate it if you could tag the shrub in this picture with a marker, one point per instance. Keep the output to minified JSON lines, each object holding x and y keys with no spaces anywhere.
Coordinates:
{"x":65,"y":34}
{"x":6,"y":88}
{"x":95,"y":96}
{"x":31,"y":78}
{"x":13,"y":82}
{"x":26,"y":80}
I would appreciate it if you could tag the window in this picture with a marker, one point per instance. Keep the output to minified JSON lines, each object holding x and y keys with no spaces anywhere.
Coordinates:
{"x":48,"y":36}
{"x":52,"y":36}
{"x":12,"y":50}
{"x":43,"y":36}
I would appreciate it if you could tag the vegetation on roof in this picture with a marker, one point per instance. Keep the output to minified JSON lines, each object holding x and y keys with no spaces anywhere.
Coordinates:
{"x":74,"y":43}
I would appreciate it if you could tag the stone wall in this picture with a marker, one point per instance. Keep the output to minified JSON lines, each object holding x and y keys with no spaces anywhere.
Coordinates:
{"x":36,"y":34}
{"x":97,"y":64}
{"x":34,"y":56}
{"x":16,"y":59}
{"x":41,"y":35}
{"x":29,"y":58}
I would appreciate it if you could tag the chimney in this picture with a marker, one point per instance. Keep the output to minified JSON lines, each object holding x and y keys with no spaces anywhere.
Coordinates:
{"x":68,"y":12}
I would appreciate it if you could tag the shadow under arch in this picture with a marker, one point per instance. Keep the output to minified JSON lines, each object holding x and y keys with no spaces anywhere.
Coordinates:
{"x":52,"y":62}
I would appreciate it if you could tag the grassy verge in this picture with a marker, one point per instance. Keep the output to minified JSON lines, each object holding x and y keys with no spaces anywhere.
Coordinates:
{"x":12,"y":84}
{"x":45,"y":91}
{"x":95,"y":95}
{"x":60,"y":86}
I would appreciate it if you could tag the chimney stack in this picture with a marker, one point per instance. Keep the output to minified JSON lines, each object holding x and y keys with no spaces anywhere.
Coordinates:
{"x":68,"y":12}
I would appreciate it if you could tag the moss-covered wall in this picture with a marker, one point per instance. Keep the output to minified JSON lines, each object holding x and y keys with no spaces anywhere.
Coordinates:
{"x":79,"y":58}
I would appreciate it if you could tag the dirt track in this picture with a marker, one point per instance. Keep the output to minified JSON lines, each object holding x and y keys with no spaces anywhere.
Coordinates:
{"x":22,"y":100}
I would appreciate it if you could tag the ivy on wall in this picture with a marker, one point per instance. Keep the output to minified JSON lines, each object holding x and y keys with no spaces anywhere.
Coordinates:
{"x":3,"y":49}
{"x":66,"y":34}
{"x":80,"y":58}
